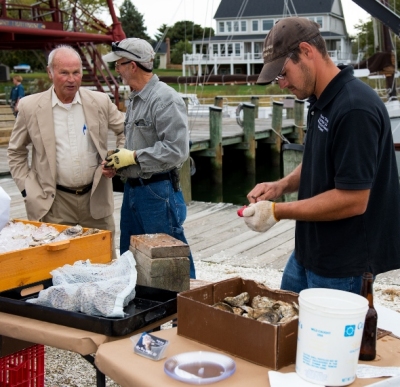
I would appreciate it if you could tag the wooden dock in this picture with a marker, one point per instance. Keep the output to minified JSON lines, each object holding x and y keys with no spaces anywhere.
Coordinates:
{"x":214,"y":232}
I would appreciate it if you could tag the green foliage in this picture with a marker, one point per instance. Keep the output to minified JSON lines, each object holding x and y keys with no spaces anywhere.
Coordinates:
{"x":132,"y":21}
{"x":35,"y":58}
{"x":180,"y":48}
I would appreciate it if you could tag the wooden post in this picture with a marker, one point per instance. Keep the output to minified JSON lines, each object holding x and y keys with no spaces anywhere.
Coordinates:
{"x":249,"y":138}
{"x":186,"y":182}
{"x":256,"y":102}
{"x":288,"y":103}
{"x":216,"y":144}
{"x":219,"y":101}
{"x":299,"y":120}
{"x":292,"y":155}
{"x":277,"y":110}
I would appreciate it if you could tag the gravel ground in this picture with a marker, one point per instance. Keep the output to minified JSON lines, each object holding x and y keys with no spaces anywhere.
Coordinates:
{"x":68,"y":369}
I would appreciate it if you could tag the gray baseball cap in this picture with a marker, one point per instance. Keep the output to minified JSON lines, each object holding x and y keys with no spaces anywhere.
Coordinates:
{"x":135,"y":49}
{"x":284,"y":37}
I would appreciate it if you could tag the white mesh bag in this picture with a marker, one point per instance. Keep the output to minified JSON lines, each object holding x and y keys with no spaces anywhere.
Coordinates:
{"x":94,"y":289}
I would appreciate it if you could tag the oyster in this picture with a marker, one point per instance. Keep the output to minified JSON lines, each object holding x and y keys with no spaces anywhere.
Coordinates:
{"x":261,"y":302}
{"x":237,"y":310}
{"x":91,"y":231}
{"x":223,"y":306}
{"x":74,"y":231}
{"x":239,"y":300}
{"x":270,"y":317}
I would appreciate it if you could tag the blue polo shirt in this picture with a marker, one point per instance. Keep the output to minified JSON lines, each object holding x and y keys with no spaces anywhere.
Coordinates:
{"x":349,"y":146}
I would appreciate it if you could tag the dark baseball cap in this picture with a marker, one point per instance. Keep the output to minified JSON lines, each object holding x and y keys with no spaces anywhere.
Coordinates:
{"x":284,"y":37}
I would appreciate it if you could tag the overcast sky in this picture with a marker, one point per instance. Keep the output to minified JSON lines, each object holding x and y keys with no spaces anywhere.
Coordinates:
{"x":158,"y":12}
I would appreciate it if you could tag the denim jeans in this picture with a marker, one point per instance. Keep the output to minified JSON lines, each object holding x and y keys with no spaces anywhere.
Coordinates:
{"x":296,"y":278}
{"x":152,"y":209}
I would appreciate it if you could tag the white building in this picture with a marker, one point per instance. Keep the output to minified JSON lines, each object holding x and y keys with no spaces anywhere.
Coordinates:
{"x":241,"y":27}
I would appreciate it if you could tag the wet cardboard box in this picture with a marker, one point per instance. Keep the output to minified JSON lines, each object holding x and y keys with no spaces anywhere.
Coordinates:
{"x":34,"y":264}
{"x":272,"y":346}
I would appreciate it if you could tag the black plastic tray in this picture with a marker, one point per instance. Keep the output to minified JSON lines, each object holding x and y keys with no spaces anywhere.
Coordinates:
{"x":148,"y":306}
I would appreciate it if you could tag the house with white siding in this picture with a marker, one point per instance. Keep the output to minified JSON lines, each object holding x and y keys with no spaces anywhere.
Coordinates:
{"x":241,"y":27}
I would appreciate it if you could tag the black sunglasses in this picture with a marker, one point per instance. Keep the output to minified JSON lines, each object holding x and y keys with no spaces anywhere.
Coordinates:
{"x":114,"y":47}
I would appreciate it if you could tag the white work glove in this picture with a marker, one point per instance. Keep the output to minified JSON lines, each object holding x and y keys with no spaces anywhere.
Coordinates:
{"x":260,"y":216}
{"x":120,"y":158}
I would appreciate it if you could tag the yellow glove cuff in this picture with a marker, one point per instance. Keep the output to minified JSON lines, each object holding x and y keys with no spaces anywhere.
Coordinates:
{"x":273,"y":212}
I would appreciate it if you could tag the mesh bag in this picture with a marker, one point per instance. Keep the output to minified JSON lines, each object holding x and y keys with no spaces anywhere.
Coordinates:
{"x":94,"y":289}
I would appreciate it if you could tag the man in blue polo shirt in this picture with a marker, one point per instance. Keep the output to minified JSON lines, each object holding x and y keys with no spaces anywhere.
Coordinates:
{"x":348,"y":209}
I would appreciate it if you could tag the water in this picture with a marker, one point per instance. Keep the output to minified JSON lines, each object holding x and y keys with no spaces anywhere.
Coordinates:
{"x":236,"y":182}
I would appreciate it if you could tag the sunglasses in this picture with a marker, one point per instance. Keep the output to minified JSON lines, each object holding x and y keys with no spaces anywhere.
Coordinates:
{"x":281,"y":76}
{"x":115,"y":47}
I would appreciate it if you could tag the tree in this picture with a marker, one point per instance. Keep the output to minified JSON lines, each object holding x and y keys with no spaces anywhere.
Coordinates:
{"x":132,"y":21}
{"x":180,"y":48}
{"x":180,"y":34}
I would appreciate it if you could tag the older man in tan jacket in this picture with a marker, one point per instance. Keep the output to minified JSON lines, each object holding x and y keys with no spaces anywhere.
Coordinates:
{"x":67,"y":127}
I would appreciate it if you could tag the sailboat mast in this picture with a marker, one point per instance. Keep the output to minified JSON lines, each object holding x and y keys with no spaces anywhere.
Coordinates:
{"x":388,"y":47}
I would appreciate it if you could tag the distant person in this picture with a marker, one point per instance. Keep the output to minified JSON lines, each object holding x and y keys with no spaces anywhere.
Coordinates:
{"x":67,"y":127}
{"x":157,"y":144}
{"x":17,"y":92}
{"x":348,"y":208}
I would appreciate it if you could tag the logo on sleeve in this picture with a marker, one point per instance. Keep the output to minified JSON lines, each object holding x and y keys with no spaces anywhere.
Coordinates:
{"x":323,"y":123}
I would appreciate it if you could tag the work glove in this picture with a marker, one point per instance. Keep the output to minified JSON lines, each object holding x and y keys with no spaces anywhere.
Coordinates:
{"x":120,"y":158}
{"x":260,"y":216}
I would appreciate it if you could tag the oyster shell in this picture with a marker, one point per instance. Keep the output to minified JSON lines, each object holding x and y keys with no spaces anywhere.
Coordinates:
{"x":238,"y":300}
{"x":223,"y":306}
{"x":74,"y":231}
{"x":91,"y":231}
{"x":262,"y":302}
{"x":270,"y":317}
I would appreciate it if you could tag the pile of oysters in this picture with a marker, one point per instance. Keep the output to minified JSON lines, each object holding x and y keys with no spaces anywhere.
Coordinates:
{"x":261,"y":308}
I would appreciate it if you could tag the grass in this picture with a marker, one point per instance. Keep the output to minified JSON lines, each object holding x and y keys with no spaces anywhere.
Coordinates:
{"x":39,"y":81}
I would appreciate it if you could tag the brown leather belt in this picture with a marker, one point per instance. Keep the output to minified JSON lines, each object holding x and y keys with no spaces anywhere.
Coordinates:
{"x":80,"y":191}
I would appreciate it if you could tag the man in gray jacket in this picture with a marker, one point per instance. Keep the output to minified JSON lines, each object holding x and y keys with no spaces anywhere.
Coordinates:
{"x":67,"y":128}
{"x":157,"y":144}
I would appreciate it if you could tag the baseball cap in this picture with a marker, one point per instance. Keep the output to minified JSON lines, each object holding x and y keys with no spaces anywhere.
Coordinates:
{"x":284,"y":37}
{"x":135,"y":49}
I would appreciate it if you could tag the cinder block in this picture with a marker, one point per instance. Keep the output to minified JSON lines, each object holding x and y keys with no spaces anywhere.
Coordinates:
{"x":159,"y":245}
{"x":163,"y":273}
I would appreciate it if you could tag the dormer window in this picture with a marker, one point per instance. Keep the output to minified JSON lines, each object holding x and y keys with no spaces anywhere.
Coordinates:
{"x":228,"y":26}
{"x":221,"y":27}
{"x":254,"y":25}
{"x":243,"y":26}
{"x":236,"y":26}
{"x":267,"y":24}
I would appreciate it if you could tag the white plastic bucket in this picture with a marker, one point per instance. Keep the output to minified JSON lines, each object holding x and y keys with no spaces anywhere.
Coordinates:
{"x":331,"y":324}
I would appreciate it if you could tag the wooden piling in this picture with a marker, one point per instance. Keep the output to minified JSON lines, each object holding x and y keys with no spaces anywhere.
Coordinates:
{"x":186,"y":183}
{"x":249,"y":138}
{"x":292,"y":156}
{"x":219,"y":101}
{"x":299,"y":120}
{"x":256,"y":102}
{"x":277,"y":109}
{"x":216,"y":143}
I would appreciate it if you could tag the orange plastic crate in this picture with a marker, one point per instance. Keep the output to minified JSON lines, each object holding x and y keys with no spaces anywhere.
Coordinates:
{"x":24,"y":368}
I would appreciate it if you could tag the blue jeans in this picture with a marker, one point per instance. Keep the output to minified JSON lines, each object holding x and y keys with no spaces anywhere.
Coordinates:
{"x":296,"y":278}
{"x":152,"y":209}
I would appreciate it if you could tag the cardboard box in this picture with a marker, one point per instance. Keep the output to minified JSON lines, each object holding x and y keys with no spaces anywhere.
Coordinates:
{"x":272,"y":346}
{"x":34,"y":264}
{"x":161,"y":261}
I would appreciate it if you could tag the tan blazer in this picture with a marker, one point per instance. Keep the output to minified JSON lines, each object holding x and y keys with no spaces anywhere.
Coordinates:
{"x":34,"y":125}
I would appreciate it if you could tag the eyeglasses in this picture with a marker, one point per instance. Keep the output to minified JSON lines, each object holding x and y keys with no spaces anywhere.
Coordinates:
{"x":115,"y":47}
{"x":281,"y":76}
{"x":121,"y":64}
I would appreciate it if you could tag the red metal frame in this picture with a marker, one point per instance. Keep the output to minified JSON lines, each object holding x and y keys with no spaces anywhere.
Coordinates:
{"x":43,"y":26}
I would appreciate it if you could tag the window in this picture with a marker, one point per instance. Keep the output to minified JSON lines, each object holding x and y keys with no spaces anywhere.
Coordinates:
{"x":254,"y":25}
{"x":229,"y":26}
{"x":215,"y":49}
{"x":222,"y":49}
{"x":243,"y":26}
{"x":221,"y":27}
{"x":230,"y":49}
{"x":236,"y":26}
{"x":267,"y":24}
{"x":237,"y":49}
{"x":319,"y":20}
